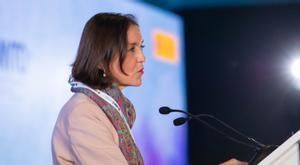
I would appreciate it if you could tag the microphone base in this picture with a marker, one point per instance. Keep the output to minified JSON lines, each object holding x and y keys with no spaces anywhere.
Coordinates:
{"x":261,"y":154}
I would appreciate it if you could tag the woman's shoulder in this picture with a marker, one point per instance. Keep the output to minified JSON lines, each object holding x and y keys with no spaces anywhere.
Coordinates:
{"x":81,"y":106}
{"x":79,"y":100}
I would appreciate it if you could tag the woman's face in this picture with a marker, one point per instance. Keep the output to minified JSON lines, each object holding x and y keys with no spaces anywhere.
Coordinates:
{"x":134,"y":60}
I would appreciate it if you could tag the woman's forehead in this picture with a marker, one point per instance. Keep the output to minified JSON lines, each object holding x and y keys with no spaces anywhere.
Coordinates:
{"x":134,"y":35}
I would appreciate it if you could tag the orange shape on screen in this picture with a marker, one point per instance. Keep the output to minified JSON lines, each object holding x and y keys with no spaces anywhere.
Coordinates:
{"x":165,"y":46}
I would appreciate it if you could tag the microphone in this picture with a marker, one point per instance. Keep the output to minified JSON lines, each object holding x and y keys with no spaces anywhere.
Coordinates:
{"x":166,"y":110}
{"x":262,"y":150}
{"x":181,"y":120}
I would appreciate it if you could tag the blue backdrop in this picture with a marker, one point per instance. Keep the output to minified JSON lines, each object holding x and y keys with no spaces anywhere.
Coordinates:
{"x":38,"y":42}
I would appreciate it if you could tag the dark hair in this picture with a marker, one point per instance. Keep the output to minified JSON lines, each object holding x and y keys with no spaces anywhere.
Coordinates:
{"x":104,"y":37}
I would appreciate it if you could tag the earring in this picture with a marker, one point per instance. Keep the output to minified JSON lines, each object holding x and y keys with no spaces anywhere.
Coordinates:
{"x":102,"y":73}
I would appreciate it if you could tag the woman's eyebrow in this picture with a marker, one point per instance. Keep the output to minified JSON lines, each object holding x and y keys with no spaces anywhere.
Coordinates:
{"x":135,"y":43}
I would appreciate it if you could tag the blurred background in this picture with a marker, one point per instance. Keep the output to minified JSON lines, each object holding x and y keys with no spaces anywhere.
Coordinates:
{"x":236,"y":60}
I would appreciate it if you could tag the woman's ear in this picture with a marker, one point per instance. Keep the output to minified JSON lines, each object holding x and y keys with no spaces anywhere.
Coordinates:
{"x":100,"y":66}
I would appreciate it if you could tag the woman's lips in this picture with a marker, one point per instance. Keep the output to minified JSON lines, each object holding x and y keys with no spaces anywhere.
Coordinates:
{"x":141,"y":71}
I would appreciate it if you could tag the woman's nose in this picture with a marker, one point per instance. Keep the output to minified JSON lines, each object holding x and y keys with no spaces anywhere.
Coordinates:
{"x":141,"y":58}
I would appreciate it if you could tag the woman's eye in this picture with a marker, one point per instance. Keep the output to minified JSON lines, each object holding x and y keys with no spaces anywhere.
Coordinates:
{"x":132,"y":49}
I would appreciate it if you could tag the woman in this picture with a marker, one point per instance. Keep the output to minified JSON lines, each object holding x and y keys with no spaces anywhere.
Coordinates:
{"x":93,"y":127}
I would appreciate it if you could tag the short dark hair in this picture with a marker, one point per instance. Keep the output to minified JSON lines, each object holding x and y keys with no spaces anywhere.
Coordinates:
{"x":104,"y":37}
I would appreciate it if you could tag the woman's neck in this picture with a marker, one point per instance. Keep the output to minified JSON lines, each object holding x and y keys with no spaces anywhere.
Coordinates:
{"x":121,"y":87}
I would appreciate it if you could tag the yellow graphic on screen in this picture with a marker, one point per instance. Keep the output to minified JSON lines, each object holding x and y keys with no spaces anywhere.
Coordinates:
{"x":165,"y":46}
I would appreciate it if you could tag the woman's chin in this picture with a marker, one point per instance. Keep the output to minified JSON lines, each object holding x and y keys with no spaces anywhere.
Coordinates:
{"x":137,"y":84}
{"x":134,"y":84}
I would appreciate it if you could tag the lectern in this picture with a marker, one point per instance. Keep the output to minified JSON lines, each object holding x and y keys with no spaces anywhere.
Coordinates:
{"x":285,"y":154}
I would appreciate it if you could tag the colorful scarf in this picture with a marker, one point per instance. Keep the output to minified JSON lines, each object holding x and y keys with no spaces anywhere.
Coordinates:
{"x":126,"y":142}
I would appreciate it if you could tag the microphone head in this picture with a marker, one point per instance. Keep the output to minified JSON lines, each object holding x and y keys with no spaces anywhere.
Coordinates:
{"x":180,"y":121}
{"x":164,"y":110}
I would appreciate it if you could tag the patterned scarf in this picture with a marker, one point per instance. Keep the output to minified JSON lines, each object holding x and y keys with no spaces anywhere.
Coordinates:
{"x":126,"y":142}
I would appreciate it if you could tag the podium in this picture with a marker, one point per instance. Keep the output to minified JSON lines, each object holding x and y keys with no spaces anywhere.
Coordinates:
{"x":286,"y":154}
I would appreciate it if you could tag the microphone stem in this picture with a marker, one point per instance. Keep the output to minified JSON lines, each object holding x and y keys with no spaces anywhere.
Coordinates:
{"x":260,"y":145}
{"x":257,"y":145}
{"x":226,"y":135}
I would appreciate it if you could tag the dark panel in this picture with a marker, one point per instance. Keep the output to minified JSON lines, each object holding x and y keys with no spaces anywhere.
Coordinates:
{"x":237,"y":70}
